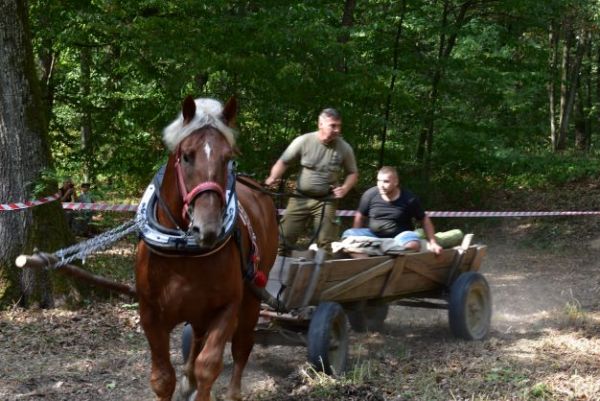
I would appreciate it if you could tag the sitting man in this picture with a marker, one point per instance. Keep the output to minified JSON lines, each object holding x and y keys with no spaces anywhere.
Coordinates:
{"x":391,"y":211}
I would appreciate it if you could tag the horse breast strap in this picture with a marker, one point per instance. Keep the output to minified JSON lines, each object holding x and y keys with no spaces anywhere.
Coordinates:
{"x":164,"y":240}
{"x":251,"y":272}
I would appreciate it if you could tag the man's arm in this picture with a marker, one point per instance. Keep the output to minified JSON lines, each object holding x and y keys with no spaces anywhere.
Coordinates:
{"x":430,"y":233}
{"x":359,"y":220}
{"x":276,"y":172}
{"x":349,"y":182}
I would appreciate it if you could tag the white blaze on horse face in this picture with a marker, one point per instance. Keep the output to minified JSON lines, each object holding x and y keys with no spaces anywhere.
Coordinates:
{"x":207,"y":150}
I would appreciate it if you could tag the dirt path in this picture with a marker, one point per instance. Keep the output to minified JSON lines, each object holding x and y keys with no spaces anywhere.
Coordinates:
{"x":544,"y":345}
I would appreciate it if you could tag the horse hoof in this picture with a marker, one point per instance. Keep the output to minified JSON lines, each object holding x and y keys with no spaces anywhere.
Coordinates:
{"x":233,"y":396}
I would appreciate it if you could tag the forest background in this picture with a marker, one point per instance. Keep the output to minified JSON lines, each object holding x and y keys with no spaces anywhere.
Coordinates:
{"x":478,"y":103}
{"x":463,"y":97}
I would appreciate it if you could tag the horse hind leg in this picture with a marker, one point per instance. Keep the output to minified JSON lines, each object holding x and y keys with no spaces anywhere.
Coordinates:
{"x":186,"y":390}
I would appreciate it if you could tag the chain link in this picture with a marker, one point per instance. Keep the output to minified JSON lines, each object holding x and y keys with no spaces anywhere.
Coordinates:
{"x":84,"y":248}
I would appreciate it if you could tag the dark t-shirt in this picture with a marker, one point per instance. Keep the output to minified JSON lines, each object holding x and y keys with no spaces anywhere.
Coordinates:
{"x":388,"y":219}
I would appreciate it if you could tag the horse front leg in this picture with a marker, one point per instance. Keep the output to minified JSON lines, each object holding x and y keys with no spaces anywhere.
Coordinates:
{"x":162,"y":378}
{"x":242,"y":343}
{"x":209,"y":362}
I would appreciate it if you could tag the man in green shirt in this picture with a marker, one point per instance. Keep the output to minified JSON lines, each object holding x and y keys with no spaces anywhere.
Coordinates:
{"x":325,"y":158}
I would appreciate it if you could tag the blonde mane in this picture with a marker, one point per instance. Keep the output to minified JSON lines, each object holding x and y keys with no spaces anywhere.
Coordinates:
{"x":208,"y":113}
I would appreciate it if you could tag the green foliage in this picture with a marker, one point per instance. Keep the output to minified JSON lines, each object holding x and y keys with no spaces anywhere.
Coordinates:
{"x":122,"y":69}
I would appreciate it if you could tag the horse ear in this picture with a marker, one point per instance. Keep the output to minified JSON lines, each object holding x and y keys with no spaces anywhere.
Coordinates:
{"x":188,"y":109}
{"x":230,"y":111}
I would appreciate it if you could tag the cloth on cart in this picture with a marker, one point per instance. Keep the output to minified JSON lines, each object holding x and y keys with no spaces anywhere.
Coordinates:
{"x":369,"y":245}
{"x":374,"y":246}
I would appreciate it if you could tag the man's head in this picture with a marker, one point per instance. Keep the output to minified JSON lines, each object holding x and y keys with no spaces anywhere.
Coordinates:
{"x":330,"y":125}
{"x":387,"y":182}
{"x":85,"y":186}
{"x":68,"y":183}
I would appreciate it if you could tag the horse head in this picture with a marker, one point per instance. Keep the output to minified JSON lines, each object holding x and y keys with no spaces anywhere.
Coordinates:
{"x":203,"y":144}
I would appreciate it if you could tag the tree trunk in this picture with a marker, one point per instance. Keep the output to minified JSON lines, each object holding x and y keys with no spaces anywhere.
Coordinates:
{"x":388,"y":103}
{"x":553,"y":58}
{"x":86,"y":114}
{"x":570,"y":76}
{"x":583,"y":125}
{"x":347,"y":23}
{"x":24,"y":155}
{"x":425,"y":146}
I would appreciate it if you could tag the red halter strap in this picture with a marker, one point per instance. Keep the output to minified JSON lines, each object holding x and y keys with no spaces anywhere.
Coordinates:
{"x":197,"y":190}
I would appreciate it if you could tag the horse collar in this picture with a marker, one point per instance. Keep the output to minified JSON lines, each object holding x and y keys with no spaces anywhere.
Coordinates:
{"x":176,"y":242}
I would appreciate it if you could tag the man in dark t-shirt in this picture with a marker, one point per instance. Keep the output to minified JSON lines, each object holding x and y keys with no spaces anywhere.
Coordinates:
{"x":391,"y":212}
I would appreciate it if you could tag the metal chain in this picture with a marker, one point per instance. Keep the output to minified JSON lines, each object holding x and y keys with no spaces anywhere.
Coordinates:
{"x":84,"y":248}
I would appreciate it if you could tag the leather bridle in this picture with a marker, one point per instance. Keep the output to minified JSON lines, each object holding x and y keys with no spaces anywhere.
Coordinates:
{"x":188,"y":197}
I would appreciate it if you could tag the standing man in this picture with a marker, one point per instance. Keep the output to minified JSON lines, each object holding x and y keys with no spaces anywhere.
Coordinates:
{"x":85,"y":217}
{"x":322,"y":155}
{"x":391,"y":211}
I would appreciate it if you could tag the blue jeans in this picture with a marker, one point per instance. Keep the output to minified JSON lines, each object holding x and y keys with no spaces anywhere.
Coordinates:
{"x":401,"y":239}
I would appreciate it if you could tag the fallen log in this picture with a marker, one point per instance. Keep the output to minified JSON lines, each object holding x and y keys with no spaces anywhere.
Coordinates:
{"x":42,"y":260}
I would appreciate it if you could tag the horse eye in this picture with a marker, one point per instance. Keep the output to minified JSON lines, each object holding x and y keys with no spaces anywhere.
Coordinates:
{"x":185,"y":158}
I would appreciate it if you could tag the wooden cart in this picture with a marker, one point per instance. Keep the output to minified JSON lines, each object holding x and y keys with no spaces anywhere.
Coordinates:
{"x":318,"y":298}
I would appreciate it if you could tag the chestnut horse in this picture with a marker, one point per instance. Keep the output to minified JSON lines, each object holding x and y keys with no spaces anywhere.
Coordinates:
{"x":207,"y":284}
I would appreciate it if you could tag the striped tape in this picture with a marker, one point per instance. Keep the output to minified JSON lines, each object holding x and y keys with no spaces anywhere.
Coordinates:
{"x":99,"y":207}
{"x":511,"y":214}
{"x":29,"y":203}
{"x":341,"y":213}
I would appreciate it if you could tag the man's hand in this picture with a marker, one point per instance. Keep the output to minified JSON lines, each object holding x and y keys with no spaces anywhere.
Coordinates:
{"x":339,"y":192}
{"x":276,"y":173}
{"x":271,"y":181}
{"x":434,"y":247}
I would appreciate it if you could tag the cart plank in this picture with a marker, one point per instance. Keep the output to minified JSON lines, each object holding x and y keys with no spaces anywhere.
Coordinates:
{"x":478,"y":258}
{"x":333,"y":292}
{"x":341,"y":269}
{"x":282,"y":273}
{"x":392,"y":276}
{"x":294,"y":295}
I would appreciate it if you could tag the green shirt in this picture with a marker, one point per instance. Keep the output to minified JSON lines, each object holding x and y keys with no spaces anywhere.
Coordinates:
{"x":321,"y":164}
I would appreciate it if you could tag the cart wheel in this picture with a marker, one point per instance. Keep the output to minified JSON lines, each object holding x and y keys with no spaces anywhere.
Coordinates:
{"x":328,"y":338}
{"x":470,"y":306}
{"x":365,"y":317}
{"x":186,"y":341}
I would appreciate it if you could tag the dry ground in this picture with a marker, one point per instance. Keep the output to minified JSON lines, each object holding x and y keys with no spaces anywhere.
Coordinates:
{"x":544,"y":343}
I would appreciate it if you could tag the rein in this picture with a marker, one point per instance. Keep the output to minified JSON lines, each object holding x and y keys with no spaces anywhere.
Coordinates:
{"x":264,"y":190}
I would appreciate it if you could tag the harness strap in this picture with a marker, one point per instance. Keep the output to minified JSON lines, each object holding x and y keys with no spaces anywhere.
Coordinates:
{"x":157,"y":182}
{"x":251,"y":272}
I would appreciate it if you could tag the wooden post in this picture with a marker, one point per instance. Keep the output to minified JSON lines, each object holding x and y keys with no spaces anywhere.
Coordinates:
{"x":42,"y":260}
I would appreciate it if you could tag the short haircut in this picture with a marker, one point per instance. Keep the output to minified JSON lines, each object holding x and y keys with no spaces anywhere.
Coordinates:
{"x":389,"y":170}
{"x":331,"y":113}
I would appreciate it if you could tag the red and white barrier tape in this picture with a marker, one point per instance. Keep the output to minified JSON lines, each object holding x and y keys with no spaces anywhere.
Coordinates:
{"x":511,"y":214}
{"x":29,"y":203}
{"x":99,"y":206}
{"x":341,"y":213}
{"x":349,"y":213}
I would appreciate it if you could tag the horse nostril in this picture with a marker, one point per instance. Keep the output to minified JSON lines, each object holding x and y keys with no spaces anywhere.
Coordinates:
{"x":196,"y":229}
